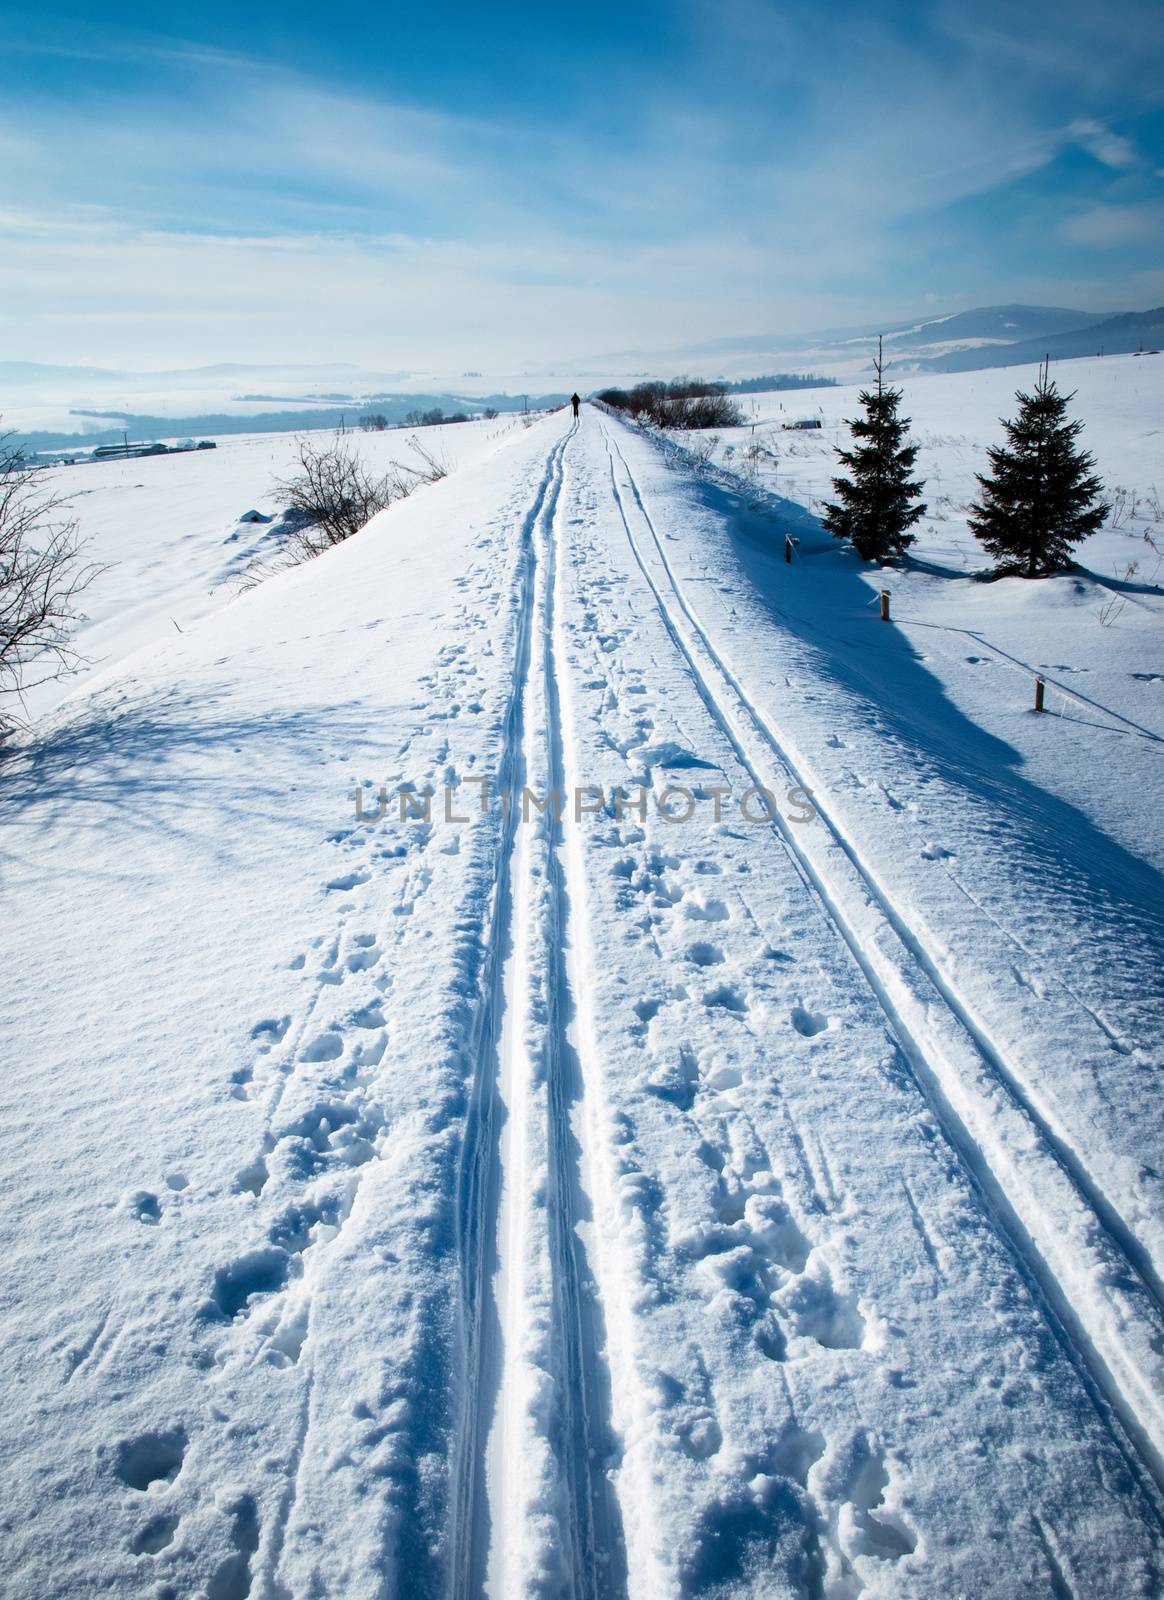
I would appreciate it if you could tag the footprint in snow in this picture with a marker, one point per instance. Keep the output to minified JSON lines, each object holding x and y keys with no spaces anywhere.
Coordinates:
{"x":258,"y":1272}
{"x":232,"y":1577}
{"x":252,"y":1178}
{"x":360,"y":960}
{"x":706,"y":911}
{"x":349,"y":880}
{"x":328,"y":1046}
{"x":726,"y":998}
{"x":809,"y":1023}
{"x":149,"y":1458}
{"x":819,"y":1311}
{"x":142,"y":1205}
{"x":857,"y":1474}
{"x":155,"y":1535}
{"x":240,"y":1083}
{"x":270,"y":1030}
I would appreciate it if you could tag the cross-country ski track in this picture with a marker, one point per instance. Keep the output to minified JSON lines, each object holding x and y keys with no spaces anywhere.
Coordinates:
{"x":527,"y":1081}
{"x":1119,"y":1341}
{"x":574,"y":1200}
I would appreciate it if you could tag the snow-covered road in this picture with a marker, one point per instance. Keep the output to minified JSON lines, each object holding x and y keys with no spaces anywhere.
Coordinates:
{"x":749,"y":1194}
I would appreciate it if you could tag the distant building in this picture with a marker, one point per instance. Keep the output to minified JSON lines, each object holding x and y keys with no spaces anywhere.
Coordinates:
{"x":133,"y":452}
{"x":121,"y":452}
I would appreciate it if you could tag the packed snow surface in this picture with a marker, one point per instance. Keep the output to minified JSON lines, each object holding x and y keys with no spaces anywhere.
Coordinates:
{"x":742,"y":1179}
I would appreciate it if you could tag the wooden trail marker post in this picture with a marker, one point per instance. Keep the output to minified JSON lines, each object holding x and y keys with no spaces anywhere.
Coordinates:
{"x":885,"y":605}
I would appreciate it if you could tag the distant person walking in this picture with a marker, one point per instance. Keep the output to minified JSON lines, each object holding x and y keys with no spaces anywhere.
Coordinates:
{"x":575,"y":402}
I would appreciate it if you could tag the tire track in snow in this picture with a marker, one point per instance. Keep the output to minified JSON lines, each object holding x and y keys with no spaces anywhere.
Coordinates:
{"x":1072,"y":1249}
{"x":528,"y":1317}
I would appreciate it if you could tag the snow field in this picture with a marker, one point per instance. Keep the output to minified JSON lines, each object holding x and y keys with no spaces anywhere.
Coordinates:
{"x":172,"y":535}
{"x":680,"y":1080}
{"x":532,"y":1206}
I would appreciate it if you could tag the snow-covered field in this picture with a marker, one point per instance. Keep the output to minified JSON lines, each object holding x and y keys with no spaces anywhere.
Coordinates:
{"x":167,"y":529}
{"x":614,"y":1203}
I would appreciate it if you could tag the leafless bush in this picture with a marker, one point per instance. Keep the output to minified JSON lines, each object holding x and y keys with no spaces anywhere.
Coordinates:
{"x":43,"y":570}
{"x":334,"y":495}
{"x":682,"y":403}
{"x":1123,"y":506}
{"x":433,"y":418}
{"x":435,"y":466}
{"x":702,"y":411}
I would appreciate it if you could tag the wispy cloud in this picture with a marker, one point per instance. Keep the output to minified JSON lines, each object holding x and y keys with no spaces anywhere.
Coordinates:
{"x":1109,"y":148}
{"x":790,"y":167}
{"x":1108,"y":227}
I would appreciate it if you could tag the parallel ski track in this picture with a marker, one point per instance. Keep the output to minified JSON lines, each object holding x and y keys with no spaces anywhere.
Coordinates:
{"x":479,"y":1177}
{"x":906,"y":980}
{"x":593,"y":1536}
{"x":600,"y":1562}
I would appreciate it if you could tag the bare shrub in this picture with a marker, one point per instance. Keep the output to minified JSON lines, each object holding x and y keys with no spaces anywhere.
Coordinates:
{"x":1123,"y":507}
{"x":434,"y":418}
{"x":334,"y":495}
{"x":43,"y":570}
{"x":435,"y":466}
{"x":682,"y":403}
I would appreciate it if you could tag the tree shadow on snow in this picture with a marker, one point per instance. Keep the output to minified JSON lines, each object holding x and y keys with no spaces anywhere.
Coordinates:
{"x":822,"y":605}
{"x":188,"y":763}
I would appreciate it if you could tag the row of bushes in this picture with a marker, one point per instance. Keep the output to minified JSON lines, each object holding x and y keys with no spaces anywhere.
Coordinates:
{"x":682,"y":403}
{"x":377,"y":422}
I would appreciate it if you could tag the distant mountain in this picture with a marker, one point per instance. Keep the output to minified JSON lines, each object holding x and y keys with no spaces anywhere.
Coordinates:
{"x":993,"y":324}
{"x":1118,"y":335}
{"x":17,"y":372}
{"x":969,"y":338}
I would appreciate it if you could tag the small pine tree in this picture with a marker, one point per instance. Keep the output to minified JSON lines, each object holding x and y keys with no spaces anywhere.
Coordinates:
{"x":876,"y":506}
{"x":1041,"y":496}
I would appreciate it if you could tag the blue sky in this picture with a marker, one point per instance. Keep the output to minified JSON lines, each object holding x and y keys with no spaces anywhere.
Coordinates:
{"x":504,"y":186}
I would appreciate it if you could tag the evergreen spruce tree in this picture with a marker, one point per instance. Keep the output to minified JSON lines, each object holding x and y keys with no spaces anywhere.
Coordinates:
{"x":1041,"y":496}
{"x":877,"y":505}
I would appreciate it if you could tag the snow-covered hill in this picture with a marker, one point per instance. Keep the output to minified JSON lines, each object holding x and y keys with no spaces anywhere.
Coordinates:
{"x":750,"y":1190}
{"x":173,"y":534}
{"x":962,"y":341}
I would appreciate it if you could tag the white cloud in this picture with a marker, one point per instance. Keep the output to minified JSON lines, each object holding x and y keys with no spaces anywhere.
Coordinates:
{"x":149,"y":298}
{"x":1112,"y":149}
{"x":1107,"y":227}
{"x":262,"y":214}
